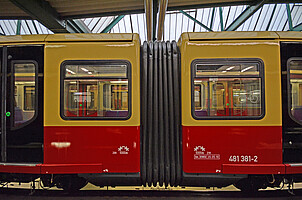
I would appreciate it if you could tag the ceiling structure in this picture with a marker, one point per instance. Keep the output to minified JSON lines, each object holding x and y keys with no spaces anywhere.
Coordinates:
{"x":70,"y":9}
{"x":152,"y":19}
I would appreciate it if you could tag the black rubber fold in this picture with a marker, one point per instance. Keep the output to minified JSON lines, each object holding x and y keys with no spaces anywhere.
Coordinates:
{"x":144,"y":88}
{"x":161,"y":130}
{"x":150,"y":114}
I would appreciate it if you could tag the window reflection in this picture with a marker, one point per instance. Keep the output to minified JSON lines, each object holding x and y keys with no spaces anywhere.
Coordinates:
{"x":295,"y":71}
{"x":101,"y":93}
{"x":24,"y":93}
{"x":227,"y":90}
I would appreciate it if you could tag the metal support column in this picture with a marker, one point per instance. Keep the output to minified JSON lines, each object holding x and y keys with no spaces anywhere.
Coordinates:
{"x":161,"y":18}
{"x":221,"y":19}
{"x":289,"y":17}
{"x":149,"y":18}
{"x":18,"y":27}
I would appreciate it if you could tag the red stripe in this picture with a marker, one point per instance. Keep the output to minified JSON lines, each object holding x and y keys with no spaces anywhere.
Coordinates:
{"x":97,"y":144}
{"x":246,"y":144}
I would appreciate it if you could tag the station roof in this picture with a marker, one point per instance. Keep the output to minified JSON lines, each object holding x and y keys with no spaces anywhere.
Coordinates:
{"x":66,"y":9}
{"x":128,"y":16}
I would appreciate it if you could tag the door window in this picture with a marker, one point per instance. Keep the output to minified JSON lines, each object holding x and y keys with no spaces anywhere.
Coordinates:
{"x":295,"y":89}
{"x":24,"y":93}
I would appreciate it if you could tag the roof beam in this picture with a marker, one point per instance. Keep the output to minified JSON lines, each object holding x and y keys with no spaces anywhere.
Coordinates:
{"x":298,"y":27}
{"x":212,"y":18}
{"x":198,"y":22}
{"x":112,"y":24}
{"x":42,"y":11}
{"x":247,"y":13}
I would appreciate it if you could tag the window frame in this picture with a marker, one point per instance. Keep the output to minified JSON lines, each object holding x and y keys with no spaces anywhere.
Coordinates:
{"x":35,"y":63}
{"x":229,"y":61}
{"x":95,"y":62}
{"x":289,"y":92}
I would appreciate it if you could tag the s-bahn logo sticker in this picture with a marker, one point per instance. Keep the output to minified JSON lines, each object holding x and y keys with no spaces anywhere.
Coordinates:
{"x":200,"y":153}
{"x":123,"y":150}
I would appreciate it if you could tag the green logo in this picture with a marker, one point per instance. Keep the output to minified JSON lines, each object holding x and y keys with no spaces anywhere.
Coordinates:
{"x":8,"y":114}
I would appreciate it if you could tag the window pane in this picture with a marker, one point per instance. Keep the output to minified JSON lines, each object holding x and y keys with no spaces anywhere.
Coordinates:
{"x":203,"y":70}
{"x":295,"y":68}
{"x":228,"y":97}
{"x":96,"y":98}
{"x":24,"y":93}
{"x":227,"y":90}
{"x":201,"y":97}
{"x":96,"y":71}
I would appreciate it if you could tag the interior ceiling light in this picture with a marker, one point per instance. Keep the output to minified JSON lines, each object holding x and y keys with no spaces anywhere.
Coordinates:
{"x":84,"y":69}
{"x":248,"y":68}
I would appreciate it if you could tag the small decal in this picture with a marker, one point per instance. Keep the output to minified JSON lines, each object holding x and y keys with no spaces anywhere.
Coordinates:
{"x":123,"y":150}
{"x":200,"y":153}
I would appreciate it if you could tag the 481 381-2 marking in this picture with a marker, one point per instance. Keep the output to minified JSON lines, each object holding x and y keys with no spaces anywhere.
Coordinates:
{"x":243,"y":158}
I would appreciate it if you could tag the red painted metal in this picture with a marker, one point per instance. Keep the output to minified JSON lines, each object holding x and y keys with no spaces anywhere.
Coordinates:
{"x":24,"y":169}
{"x":116,"y":148}
{"x":253,"y":169}
{"x":52,"y":168}
{"x":71,"y":168}
{"x":207,"y":148}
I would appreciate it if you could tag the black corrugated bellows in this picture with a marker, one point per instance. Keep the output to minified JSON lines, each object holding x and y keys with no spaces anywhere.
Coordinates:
{"x":160,"y":114}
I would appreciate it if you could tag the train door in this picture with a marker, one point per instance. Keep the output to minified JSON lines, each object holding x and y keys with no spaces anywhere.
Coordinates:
{"x":22,"y":104}
{"x":291,"y":66}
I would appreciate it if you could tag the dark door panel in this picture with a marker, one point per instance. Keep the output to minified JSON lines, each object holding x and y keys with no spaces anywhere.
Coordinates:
{"x":24,"y":104}
{"x":292,"y":129}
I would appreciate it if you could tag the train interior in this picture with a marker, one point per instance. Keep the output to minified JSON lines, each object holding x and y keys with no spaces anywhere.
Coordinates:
{"x":227,"y":96}
{"x":106,"y":96}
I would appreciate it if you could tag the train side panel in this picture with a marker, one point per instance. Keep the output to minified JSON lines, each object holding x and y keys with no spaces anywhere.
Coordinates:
{"x":112,"y":143}
{"x":250,"y":145}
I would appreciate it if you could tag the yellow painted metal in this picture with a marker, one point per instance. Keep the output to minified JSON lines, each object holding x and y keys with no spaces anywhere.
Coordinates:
{"x":292,"y":35}
{"x":22,"y":39}
{"x":57,"y":52}
{"x":267,"y":50}
{"x":89,"y":37}
{"x":227,"y":35}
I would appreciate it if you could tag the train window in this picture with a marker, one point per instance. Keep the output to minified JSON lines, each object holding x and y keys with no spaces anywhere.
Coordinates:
{"x":95,"y":90}
{"x":295,"y":88}
{"x":25,"y":89}
{"x":229,"y":89}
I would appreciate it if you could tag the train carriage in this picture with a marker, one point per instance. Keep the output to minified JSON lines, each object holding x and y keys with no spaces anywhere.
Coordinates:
{"x":213,"y":109}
